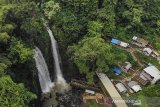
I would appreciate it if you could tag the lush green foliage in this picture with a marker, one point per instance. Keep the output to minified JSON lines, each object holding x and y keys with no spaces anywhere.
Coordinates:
{"x":19,"y":53}
{"x":2,"y":69}
{"x":50,"y":9}
{"x":92,"y":54}
{"x":12,"y":94}
{"x":80,"y":27}
{"x":151,"y":91}
{"x":145,"y":59}
{"x":92,"y":103}
{"x":149,"y":96}
{"x":14,"y":51}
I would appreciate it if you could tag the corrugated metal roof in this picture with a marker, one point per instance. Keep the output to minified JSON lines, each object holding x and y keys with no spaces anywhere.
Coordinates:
{"x":148,"y":50}
{"x":123,"y":44}
{"x":134,"y":85}
{"x":140,"y":79}
{"x":121,"y":87}
{"x":153,"y":71}
{"x":128,"y":65}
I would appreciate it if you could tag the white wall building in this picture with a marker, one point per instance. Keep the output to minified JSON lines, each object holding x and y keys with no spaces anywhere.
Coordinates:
{"x":134,"y":86}
{"x":123,"y":44}
{"x":147,"y":51}
{"x":121,"y":87}
{"x":152,"y":74}
{"x":127,"y":65}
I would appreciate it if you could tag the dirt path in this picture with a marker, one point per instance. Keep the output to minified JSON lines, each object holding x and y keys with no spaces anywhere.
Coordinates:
{"x":131,"y":51}
{"x":135,"y":58}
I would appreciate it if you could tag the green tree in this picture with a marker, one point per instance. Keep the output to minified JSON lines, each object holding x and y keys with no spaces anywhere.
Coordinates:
{"x":129,"y":14}
{"x":50,"y":9}
{"x":3,"y":68}
{"x":84,"y":7}
{"x":120,"y":55}
{"x":157,"y":44}
{"x":5,"y":28}
{"x":14,"y":95}
{"x":149,"y":96}
{"x":151,"y":91}
{"x":94,"y":28}
{"x":19,"y":52}
{"x":107,"y":16}
{"x":92,"y":54}
{"x":4,"y":37}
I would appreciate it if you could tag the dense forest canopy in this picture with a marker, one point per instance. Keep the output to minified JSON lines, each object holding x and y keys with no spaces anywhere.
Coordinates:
{"x":81,"y":28}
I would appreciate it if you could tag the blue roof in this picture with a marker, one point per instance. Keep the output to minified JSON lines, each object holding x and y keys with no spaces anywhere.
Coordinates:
{"x":117,"y":70}
{"x":115,"y":41}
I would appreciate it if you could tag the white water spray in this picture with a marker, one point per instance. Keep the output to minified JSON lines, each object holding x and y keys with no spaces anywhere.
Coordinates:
{"x":43,"y":73}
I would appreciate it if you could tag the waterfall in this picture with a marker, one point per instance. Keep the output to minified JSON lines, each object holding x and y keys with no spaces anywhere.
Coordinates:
{"x":59,"y":76}
{"x":43,"y":73}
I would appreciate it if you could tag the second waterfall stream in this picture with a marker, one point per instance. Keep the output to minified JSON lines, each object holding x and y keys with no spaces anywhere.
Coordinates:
{"x":43,"y":73}
{"x":60,"y":81}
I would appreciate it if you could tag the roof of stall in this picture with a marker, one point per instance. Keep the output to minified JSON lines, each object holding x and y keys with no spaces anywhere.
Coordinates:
{"x":148,"y":50}
{"x":115,"y":41}
{"x":127,"y":65}
{"x":123,"y":44}
{"x":140,"y":40}
{"x":153,"y":71}
{"x":121,"y":87}
{"x":117,"y":70}
{"x":134,"y":85}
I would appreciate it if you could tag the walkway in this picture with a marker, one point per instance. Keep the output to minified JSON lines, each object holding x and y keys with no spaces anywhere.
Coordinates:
{"x":131,"y":51}
{"x":117,"y":99}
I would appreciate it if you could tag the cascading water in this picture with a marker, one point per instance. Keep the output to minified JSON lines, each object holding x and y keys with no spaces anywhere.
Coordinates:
{"x":43,"y":73}
{"x":60,"y":80}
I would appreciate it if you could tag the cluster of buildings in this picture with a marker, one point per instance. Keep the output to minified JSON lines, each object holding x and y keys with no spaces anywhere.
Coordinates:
{"x":150,"y":74}
{"x":132,"y":84}
{"x":117,"y":88}
{"x":147,"y":49}
{"x":140,"y":42}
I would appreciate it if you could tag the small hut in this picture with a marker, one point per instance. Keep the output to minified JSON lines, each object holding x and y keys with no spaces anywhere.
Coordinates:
{"x":141,"y":42}
{"x":127,"y":65}
{"x":121,"y":87}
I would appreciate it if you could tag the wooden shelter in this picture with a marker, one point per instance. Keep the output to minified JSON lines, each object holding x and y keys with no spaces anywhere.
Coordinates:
{"x":140,"y":80}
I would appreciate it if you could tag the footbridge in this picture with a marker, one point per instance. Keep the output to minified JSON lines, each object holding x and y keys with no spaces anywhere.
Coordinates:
{"x":111,"y":90}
